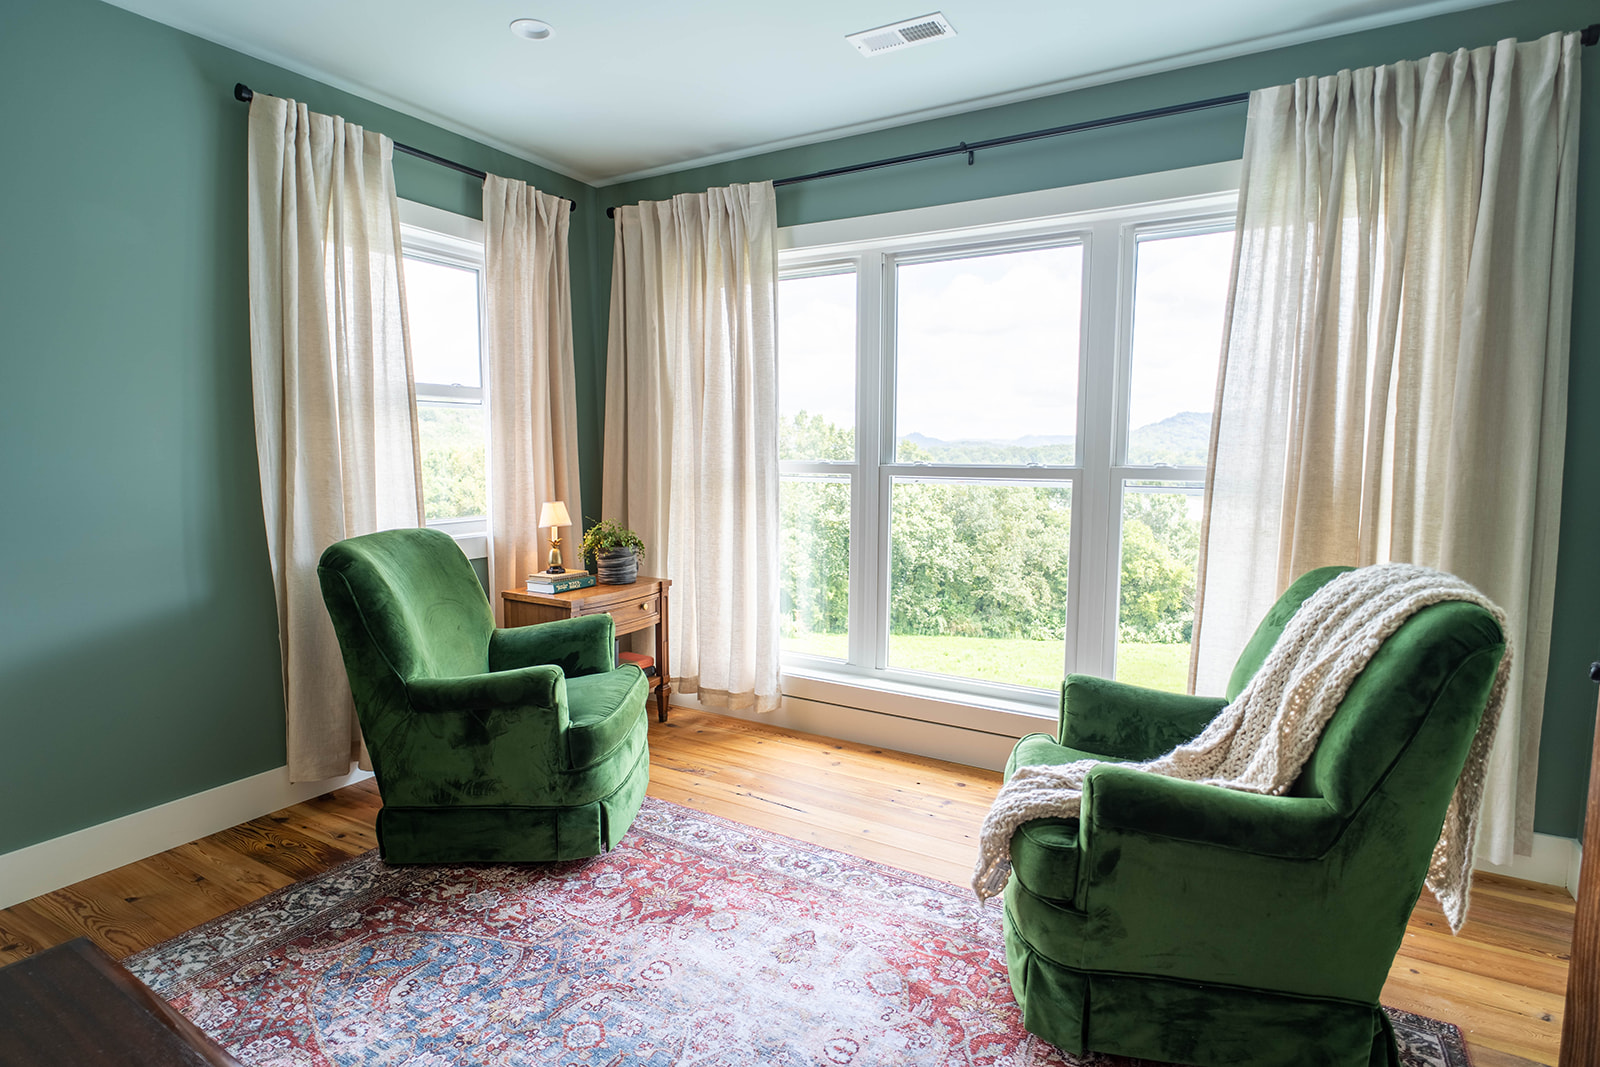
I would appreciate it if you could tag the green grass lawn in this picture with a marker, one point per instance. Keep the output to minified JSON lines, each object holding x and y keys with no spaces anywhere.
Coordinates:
{"x":1019,"y":662}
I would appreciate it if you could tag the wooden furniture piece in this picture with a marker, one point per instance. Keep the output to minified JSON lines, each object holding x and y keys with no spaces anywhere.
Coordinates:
{"x":75,"y":1004}
{"x":1580,"y":1025}
{"x":644,"y":603}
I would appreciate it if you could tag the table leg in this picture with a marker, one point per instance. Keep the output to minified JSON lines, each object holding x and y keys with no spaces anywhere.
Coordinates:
{"x":661,"y":656}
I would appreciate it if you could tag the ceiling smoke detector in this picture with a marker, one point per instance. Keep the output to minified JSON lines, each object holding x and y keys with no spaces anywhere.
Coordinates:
{"x":898,"y":35}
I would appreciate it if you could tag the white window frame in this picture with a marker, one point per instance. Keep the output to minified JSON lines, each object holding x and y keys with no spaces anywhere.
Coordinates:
{"x":440,"y":236}
{"x":1106,"y":219}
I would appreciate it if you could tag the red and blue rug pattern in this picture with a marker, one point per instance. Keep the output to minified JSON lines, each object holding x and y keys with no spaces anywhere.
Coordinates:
{"x":697,"y":941}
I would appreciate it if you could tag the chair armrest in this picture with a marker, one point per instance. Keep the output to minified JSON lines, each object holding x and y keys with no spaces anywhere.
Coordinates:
{"x":1127,"y":721}
{"x":1120,"y":800}
{"x":585,"y":645}
{"x":541,"y":687}
{"x":1203,"y":884}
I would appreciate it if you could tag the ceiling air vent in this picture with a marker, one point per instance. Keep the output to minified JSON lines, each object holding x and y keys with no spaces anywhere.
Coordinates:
{"x":897,"y":35}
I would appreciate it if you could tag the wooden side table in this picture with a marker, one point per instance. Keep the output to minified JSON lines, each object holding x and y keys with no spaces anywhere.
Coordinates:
{"x":644,"y":603}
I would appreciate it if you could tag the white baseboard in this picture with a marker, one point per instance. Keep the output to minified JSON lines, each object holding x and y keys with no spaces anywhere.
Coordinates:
{"x":974,"y":748}
{"x":61,"y":861}
{"x":1555,"y":860}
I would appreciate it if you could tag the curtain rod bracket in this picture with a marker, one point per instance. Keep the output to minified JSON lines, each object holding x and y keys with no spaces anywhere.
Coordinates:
{"x":242,"y":93}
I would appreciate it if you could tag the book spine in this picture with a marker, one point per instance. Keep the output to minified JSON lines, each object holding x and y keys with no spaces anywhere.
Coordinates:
{"x":558,"y":587}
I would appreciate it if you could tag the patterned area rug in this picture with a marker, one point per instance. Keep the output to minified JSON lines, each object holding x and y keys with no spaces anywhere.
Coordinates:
{"x":696,"y":941}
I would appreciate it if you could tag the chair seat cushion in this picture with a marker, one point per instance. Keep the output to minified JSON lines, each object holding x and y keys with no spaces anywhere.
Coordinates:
{"x":1044,"y":852}
{"x":602,"y":710}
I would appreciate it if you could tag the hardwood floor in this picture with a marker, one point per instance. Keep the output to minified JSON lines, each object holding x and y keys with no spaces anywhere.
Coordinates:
{"x":1502,"y":980}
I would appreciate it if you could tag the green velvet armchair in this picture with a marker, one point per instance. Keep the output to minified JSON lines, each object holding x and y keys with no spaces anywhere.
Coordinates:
{"x":489,"y":745}
{"x":1192,"y":924}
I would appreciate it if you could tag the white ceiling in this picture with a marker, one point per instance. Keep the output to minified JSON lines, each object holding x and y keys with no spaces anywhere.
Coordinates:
{"x":626,"y":88}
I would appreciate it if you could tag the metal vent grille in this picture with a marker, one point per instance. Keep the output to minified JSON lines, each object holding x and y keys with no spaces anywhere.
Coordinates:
{"x":898,"y":35}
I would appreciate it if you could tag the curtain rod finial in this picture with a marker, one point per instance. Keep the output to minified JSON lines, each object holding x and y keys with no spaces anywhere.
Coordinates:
{"x":242,"y":93}
{"x":1591,"y":34}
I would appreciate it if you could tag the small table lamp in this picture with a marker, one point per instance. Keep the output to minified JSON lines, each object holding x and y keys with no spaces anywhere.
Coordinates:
{"x":554,"y":515}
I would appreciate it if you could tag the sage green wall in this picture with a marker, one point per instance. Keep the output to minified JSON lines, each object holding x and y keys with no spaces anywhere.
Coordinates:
{"x":138,"y":641}
{"x":1208,"y":137}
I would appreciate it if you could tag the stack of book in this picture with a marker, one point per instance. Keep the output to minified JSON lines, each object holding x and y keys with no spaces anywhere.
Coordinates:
{"x":545,"y":582}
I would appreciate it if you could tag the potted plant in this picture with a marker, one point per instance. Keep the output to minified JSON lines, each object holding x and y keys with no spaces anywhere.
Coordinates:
{"x":616,"y":549}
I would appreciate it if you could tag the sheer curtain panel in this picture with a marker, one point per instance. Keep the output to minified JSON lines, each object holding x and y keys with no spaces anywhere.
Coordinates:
{"x":1393,"y":383}
{"x":691,"y":452}
{"x":336,"y":434}
{"x":533,"y":424}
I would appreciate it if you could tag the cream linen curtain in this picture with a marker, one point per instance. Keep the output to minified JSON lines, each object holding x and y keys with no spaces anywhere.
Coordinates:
{"x":691,"y":454}
{"x":336,"y":431}
{"x":533,"y":450}
{"x":1394,"y":374}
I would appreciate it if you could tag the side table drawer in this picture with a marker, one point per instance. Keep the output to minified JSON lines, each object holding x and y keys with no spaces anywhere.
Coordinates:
{"x":637,"y":615}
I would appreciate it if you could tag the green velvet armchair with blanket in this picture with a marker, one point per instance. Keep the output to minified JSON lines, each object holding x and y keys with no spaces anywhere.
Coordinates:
{"x":1173,"y":920}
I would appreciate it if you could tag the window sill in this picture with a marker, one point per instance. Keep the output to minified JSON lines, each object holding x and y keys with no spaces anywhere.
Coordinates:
{"x":474,"y":546}
{"x":472,"y":535}
{"x":989,"y":712}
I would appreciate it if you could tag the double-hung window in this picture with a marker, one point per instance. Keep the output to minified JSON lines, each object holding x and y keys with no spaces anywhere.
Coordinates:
{"x":993,"y":439}
{"x":444,"y":311}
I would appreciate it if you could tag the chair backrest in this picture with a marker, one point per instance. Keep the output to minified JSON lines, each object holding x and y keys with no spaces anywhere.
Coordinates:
{"x":411,"y":597}
{"x":1440,"y":662}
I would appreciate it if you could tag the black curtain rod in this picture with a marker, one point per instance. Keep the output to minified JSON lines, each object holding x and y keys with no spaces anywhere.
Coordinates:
{"x":968,"y":149}
{"x":243,"y":94}
{"x":1590,"y":35}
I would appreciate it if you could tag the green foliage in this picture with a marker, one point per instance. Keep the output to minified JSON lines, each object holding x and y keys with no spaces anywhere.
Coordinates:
{"x":983,"y":562}
{"x":455,"y":482}
{"x":815,"y":555}
{"x":1160,"y":544}
{"x":979,"y":560}
{"x":606,"y":535}
{"x":815,"y":438}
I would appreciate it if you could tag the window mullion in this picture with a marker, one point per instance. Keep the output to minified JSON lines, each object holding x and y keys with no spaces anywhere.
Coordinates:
{"x":864,"y":508}
{"x":1094,"y":527}
{"x":875,"y":636}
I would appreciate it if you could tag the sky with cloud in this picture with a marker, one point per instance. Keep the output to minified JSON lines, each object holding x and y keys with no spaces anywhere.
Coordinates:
{"x":988,"y":345}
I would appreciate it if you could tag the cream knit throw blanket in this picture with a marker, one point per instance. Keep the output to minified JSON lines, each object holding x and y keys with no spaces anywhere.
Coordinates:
{"x":1258,"y":743}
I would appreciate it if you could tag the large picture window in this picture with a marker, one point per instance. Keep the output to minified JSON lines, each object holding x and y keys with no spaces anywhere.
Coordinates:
{"x":993,"y":443}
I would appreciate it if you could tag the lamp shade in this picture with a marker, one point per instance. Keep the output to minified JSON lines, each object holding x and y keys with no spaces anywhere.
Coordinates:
{"x":554,"y":513}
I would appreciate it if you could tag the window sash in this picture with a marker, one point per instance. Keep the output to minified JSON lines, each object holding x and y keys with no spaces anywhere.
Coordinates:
{"x":437,"y":236}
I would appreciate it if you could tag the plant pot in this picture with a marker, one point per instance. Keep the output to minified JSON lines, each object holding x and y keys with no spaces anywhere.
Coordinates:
{"x":618,"y":566}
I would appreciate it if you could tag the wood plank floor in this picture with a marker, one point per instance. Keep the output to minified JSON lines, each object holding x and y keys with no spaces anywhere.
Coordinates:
{"x":1502,"y":980}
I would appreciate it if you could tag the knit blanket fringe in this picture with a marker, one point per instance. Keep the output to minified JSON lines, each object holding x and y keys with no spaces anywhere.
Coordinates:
{"x":1260,"y":742}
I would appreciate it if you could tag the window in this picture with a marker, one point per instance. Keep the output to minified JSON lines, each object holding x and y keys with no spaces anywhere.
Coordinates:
{"x":993,"y":442}
{"x":444,"y":299}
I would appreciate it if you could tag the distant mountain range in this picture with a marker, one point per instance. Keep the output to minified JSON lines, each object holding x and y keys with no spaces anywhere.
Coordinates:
{"x":1180,"y":440}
